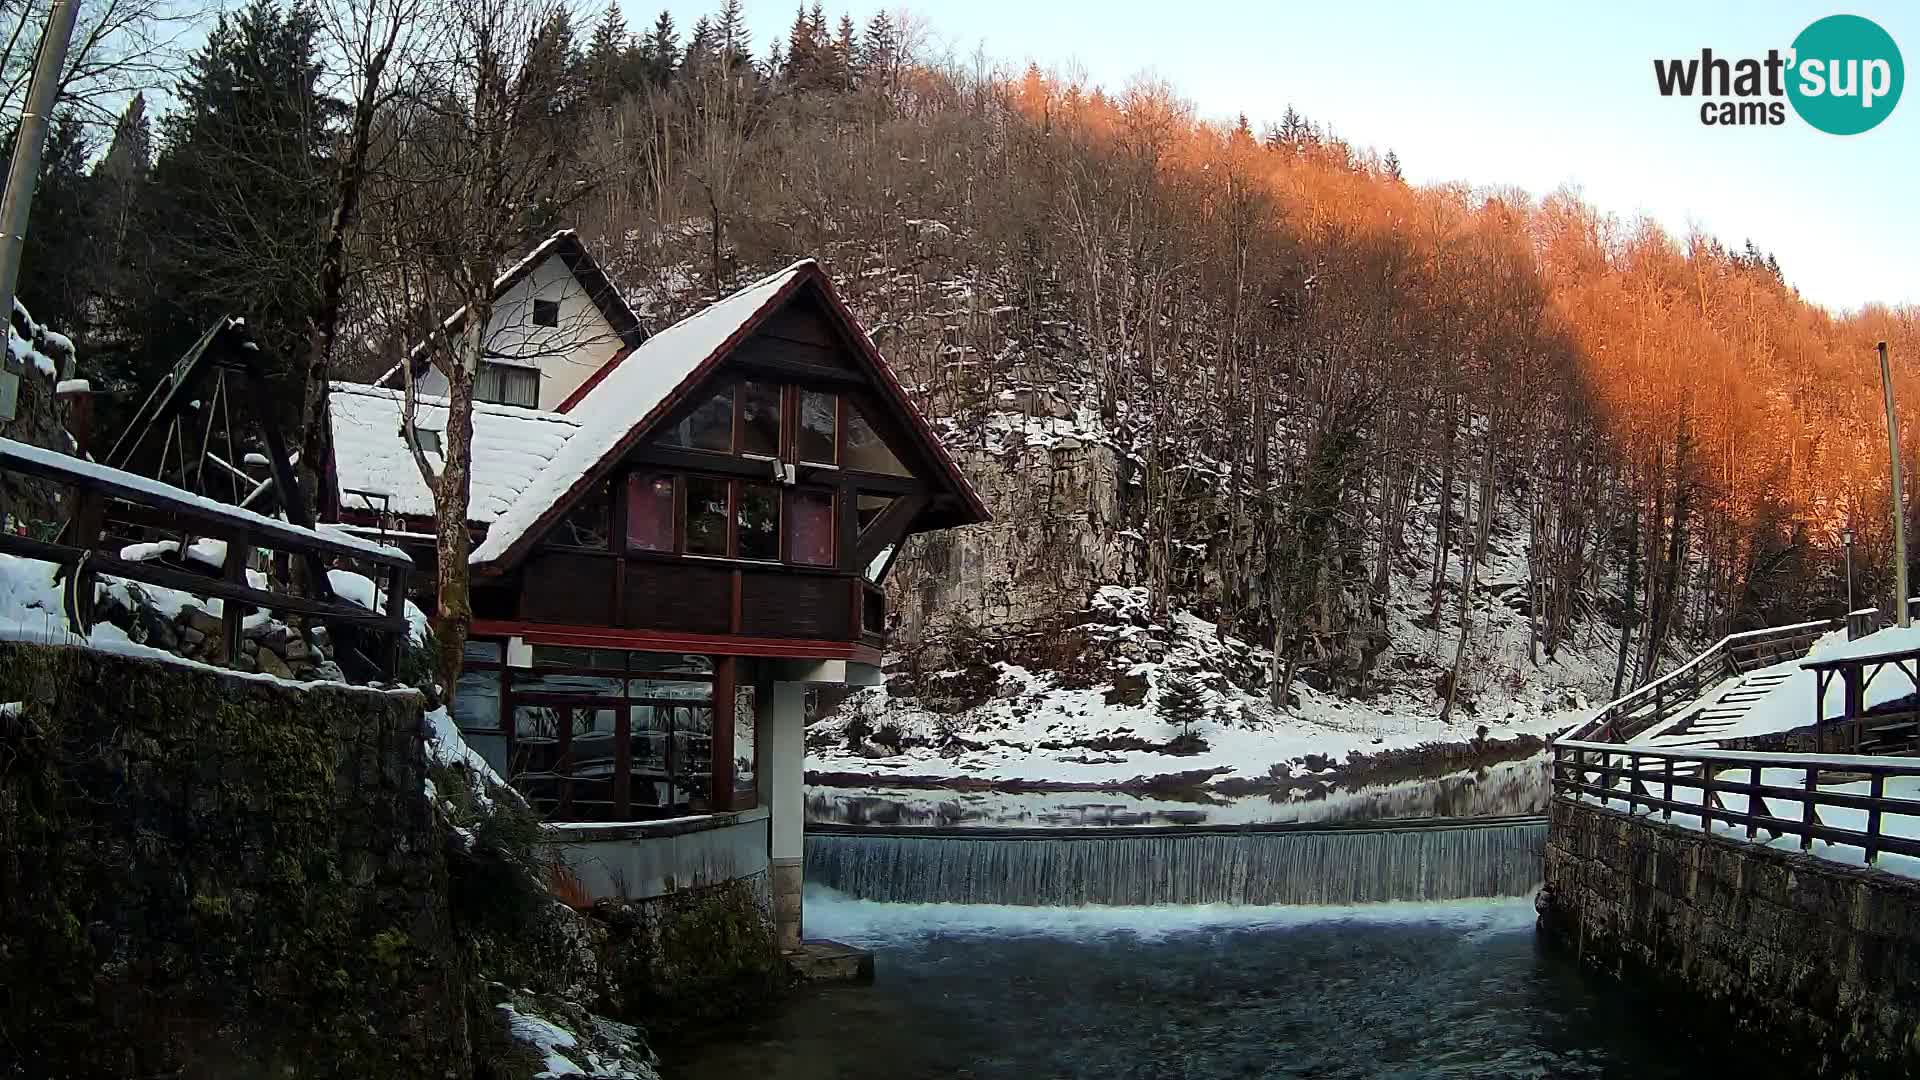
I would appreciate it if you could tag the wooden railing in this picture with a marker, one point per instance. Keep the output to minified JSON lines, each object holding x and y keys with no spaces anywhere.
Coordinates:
{"x":1649,"y":779}
{"x":100,"y":494}
{"x":1635,"y":712}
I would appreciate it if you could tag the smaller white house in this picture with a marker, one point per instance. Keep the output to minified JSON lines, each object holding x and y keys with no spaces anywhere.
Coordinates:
{"x":557,"y":320}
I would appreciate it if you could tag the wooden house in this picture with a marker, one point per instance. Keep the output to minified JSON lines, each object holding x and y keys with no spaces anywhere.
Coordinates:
{"x":699,"y":528}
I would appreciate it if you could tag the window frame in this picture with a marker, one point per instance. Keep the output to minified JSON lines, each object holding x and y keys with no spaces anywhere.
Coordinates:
{"x":503,"y":370}
{"x":541,"y":307}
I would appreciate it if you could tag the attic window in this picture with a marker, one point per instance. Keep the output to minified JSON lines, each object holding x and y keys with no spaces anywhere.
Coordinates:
{"x":546,"y":313}
{"x":429,"y":440}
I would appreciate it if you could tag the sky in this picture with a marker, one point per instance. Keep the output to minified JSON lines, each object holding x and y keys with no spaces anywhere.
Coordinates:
{"x":1538,"y":96}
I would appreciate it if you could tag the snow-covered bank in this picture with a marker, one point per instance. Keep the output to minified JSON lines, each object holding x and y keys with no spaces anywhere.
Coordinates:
{"x":1112,"y":724}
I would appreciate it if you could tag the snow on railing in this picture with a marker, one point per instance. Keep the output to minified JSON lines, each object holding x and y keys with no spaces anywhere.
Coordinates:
{"x":1688,"y":782}
{"x":1687,"y":675}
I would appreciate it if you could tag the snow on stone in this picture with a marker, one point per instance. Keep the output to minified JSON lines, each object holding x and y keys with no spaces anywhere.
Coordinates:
{"x":272,"y":528}
{"x":73,"y":386}
{"x":42,"y":349}
{"x":566,"y":1054}
{"x":446,"y":747}
{"x":511,"y":446}
{"x":544,"y":1036}
{"x":627,"y":395}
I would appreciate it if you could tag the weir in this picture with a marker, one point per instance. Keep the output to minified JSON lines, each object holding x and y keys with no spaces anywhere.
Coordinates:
{"x":1374,"y":862}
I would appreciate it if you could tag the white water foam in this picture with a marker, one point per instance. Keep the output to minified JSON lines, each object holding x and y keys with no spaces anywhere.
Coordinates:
{"x":835,"y":915}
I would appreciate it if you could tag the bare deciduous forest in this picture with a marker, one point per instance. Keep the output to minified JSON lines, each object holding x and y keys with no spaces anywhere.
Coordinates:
{"x":1322,"y":387}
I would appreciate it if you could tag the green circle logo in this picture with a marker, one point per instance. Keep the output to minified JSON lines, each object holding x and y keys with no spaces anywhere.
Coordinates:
{"x":1846,"y":74}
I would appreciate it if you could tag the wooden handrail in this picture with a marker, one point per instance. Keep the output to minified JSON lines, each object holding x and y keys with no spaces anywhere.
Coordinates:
{"x":1586,"y":771}
{"x":84,"y":550}
{"x":1681,"y":686}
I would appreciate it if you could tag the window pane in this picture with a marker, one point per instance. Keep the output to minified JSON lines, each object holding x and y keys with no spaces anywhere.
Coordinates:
{"x":744,"y":722}
{"x":759,"y":418}
{"x":649,"y":513}
{"x":482,"y":650}
{"x":810,"y":529}
{"x":545,"y":682}
{"x":866,"y":451}
{"x":546,"y":313}
{"x":706,"y":515}
{"x":868,"y":507}
{"x":669,"y":690}
{"x":691,"y":663}
{"x":586,"y":525}
{"x":759,"y":521}
{"x":817,"y":424}
{"x":708,"y":427}
{"x":476,"y":700}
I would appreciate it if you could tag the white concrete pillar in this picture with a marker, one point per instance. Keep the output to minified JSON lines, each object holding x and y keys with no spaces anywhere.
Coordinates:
{"x":783,"y":726}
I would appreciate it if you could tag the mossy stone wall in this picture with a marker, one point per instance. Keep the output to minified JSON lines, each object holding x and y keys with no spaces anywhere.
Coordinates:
{"x":205,"y":875}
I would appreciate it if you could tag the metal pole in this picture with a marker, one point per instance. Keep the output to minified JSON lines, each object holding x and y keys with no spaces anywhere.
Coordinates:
{"x":24,"y":172}
{"x":1899,"y":492}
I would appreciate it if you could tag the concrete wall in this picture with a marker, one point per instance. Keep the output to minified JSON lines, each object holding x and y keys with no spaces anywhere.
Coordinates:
{"x":565,"y":354}
{"x":1817,"y":961}
{"x":642,"y":860}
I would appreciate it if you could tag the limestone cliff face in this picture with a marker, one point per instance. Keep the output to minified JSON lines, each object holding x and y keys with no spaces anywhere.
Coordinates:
{"x":1057,"y":534}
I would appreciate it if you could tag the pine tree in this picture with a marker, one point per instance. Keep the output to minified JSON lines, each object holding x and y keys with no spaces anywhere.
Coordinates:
{"x":240,"y":191}
{"x":734,"y":43}
{"x":702,"y":47}
{"x":802,"y":50}
{"x":1180,"y":703}
{"x":846,"y":53}
{"x":605,"y":55}
{"x":879,"y":51}
{"x":1392,"y":166}
{"x":661,"y":51}
{"x":59,"y":259}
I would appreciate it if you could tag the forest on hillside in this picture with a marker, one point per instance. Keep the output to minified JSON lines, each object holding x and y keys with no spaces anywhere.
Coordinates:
{"x":1294,"y":351}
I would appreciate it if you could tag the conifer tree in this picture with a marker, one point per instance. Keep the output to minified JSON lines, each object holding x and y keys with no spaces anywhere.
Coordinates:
{"x":731,"y":38}
{"x":59,"y":259}
{"x":661,"y":51}
{"x":239,"y":196}
{"x":1180,"y":703}
{"x":605,"y":57}
{"x":879,"y":50}
{"x":846,"y":53}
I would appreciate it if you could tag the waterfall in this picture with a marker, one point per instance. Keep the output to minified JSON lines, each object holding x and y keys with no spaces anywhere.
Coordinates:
{"x":1349,"y":865}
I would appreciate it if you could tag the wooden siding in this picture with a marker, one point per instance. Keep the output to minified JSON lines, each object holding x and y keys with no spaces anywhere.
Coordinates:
{"x":685,"y":596}
{"x":774,"y":604}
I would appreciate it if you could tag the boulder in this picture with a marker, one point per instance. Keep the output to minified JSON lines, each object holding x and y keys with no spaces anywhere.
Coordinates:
{"x":271,"y":664}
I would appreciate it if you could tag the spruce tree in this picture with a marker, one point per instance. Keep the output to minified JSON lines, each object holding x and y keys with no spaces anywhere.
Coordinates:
{"x":59,"y":259}
{"x":605,"y":57}
{"x":734,"y":43}
{"x":238,"y":203}
{"x":846,"y":53}
{"x":879,"y":49}
{"x":1180,"y":703}
{"x":661,"y":51}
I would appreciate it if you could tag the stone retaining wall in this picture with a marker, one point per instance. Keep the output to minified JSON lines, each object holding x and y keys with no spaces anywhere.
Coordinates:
{"x":1817,"y":960}
{"x":203,"y":874}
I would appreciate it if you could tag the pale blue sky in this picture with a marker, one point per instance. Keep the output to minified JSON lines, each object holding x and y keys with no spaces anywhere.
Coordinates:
{"x":1535,"y":95}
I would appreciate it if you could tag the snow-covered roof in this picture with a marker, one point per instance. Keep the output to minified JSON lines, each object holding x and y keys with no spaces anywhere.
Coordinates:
{"x":627,"y":395}
{"x":511,"y":446}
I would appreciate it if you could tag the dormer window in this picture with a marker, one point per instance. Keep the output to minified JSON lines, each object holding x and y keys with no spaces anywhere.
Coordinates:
{"x":546,"y":313}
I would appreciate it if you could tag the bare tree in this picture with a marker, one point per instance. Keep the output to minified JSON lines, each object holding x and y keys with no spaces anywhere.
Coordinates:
{"x":119,"y":47}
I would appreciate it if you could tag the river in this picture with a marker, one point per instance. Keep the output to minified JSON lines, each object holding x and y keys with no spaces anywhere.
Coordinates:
{"x":1456,"y":989}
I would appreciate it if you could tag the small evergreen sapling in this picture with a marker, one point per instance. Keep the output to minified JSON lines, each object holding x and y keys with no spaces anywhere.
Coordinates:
{"x":1180,"y":703}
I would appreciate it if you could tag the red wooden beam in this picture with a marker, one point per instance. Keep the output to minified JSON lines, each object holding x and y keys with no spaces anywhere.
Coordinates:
{"x":607,"y":637}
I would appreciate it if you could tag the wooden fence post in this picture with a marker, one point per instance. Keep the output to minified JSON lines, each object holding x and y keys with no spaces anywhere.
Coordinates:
{"x":1806,"y":808}
{"x":1875,"y":793}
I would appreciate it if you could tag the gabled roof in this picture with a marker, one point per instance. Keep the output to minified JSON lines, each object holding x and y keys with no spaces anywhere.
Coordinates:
{"x":566,"y":245}
{"x":510,"y":448}
{"x":632,"y":394}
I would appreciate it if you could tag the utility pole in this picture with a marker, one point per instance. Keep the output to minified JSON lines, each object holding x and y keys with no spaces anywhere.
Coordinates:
{"x":1899,"y":490}
{"x":23,"y":174}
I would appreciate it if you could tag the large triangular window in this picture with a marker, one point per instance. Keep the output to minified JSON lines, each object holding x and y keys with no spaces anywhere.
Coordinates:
{"x":866,"y":451}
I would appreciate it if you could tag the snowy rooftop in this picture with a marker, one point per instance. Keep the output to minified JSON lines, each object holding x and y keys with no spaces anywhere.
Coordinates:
{"x":629,"y":393}
{"x":511,"y":447}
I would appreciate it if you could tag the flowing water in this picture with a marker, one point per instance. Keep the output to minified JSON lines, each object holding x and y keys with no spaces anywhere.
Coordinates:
{"x":1195,"y":993}
{"x":1043,"y":868}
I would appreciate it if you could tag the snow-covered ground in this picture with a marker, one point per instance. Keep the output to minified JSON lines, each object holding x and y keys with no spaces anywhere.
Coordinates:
{"x":1038,"y":728}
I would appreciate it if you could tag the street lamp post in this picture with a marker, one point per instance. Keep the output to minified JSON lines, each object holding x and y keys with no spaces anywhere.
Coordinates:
{"x":1846,"y":539}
